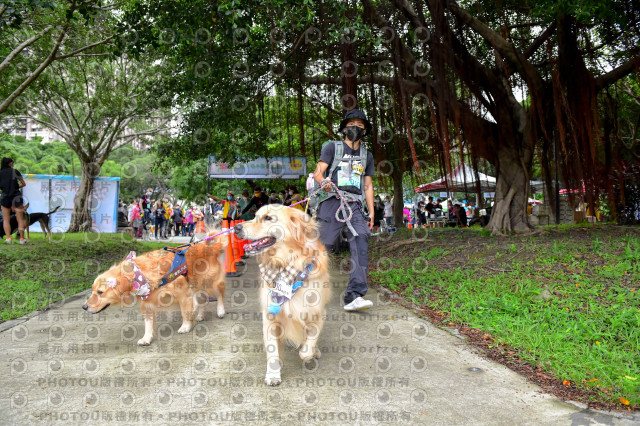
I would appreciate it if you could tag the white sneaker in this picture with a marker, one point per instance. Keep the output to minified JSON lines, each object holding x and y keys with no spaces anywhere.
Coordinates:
{"x":358,"y":304}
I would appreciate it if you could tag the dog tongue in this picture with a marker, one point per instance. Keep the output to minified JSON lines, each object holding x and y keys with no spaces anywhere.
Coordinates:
{"x":257,"y":243}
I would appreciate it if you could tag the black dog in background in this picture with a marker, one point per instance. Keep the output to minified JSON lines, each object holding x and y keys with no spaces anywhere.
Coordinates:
{"x":30,"y":219}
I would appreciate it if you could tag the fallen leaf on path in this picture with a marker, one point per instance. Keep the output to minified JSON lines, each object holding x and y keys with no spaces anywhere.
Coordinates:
{"x":625,"y":401}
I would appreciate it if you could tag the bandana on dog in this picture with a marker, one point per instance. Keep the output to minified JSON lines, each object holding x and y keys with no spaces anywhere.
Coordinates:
{"x":140,"y":282}
{"x":283,"y":283}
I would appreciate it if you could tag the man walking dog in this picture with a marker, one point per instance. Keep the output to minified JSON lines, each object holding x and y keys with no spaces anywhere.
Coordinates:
{"x":349,"y":166}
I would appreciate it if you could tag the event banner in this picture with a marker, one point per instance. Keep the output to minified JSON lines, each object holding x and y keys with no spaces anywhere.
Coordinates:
{"x":262,"y":168}
{"x":46,"y":192}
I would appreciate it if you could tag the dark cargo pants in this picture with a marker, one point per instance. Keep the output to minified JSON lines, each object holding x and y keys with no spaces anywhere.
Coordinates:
{"x":330,"y":228}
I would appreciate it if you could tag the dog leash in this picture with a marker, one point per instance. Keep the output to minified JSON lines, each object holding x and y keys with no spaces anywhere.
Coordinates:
{"x":345,"y":209}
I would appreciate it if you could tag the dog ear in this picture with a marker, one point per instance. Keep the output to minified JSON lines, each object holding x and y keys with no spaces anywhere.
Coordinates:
{"x":296,"y":229}
{"x":299,"y":229}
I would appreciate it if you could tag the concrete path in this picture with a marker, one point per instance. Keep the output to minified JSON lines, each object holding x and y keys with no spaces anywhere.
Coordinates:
{"x":383,"y":365}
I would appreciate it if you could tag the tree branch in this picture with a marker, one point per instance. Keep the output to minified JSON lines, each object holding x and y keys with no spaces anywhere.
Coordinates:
{"x":412,"y":87}
{"x":505,"y":48}
{"x":617,"y":73}
{"x":15,"y":52}
{"x":538,"y":41}
{"x":82,"y":49}
{"x":47,"y":124}
{"x":12,"y":97}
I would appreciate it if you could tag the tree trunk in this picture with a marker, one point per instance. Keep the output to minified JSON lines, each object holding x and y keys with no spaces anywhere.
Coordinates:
{"x":349,"y":99}
{"x":398,"y":196}
{"x":512,"y":188}
{"x":81,"y":220}
{"x":301,"y":121}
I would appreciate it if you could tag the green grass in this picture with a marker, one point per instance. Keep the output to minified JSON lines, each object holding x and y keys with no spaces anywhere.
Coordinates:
{"x":587,"y":332}
{"x":39,"y":273}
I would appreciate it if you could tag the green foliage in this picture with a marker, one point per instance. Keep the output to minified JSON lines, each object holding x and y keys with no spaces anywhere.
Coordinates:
{"x":41,"y":24}
{"x":133,"y":166}
{"x":34,"y":157}
{"x":586,"y":328}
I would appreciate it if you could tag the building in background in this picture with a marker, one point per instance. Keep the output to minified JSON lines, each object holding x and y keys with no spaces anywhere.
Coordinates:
{"x":28,"y":128}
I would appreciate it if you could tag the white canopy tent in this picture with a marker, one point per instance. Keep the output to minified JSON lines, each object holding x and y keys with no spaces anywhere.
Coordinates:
{"x":464,"y":176}
{"x":461,"y":176}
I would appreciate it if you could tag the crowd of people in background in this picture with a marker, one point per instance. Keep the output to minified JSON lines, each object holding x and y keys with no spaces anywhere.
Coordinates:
{"x":160,"y":217}
{"x":456,"y":213}
{"x":166,"y":220}
{"x":246,"y":205}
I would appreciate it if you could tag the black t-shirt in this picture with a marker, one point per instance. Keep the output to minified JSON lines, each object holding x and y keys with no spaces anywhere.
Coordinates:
{"x":343,"y":181}
{"x":9,"y":183}
{"x":463,"y":217}
{"x":421,"y":208}
{"x":430,"y":208}
{"x":256,"y":201}
{"x":146,"y":203}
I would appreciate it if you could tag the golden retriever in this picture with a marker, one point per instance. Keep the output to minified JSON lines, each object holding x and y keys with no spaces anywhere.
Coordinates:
{"x":205,"y":277}
{"x":281,"y":237}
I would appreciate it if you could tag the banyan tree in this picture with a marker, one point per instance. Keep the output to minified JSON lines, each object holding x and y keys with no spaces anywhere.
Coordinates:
{"x":512,"y":82}
{"x":520,"y":84}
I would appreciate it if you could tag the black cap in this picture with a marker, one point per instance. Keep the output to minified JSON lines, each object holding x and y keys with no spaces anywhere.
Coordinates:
{"x":355,"y":113}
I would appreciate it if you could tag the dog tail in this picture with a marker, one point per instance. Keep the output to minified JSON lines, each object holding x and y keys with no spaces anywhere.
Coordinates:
{"x":54,"y":210}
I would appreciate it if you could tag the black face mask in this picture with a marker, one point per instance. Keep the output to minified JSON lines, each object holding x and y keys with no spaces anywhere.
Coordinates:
{"x":353,"y":133}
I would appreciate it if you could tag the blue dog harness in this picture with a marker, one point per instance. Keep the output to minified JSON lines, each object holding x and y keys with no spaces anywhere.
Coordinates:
{"x":178,"y":266}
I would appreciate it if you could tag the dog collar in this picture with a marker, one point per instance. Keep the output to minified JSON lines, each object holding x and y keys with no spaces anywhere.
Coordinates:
{"x":141,"y":286}
{"x":284,"y":283}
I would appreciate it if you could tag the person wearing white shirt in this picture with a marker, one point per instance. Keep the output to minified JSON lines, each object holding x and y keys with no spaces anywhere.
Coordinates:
{"x":130,"y":211}
{"x":388,"y":212}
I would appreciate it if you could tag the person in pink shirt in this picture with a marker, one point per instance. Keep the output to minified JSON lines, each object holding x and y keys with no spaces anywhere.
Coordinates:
{"x":189,"y":221}
{"x":136,"y":221}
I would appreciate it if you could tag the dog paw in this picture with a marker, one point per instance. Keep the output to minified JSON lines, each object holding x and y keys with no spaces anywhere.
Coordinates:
{"x":145,"y":341}
{"x":221,"y":312}
{"x":185,"y":328}
{"x":306,"y":353}
{"x":317,"y":353}
{"x":272,"y":380}
{"x":201,"y":316}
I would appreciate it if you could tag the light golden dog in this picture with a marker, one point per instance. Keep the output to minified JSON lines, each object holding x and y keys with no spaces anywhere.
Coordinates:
{"x":287,"y":237}
{"x":205,"y":277}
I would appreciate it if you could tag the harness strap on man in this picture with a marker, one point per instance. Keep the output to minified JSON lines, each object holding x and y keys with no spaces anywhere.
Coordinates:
{"x":338,"y":157}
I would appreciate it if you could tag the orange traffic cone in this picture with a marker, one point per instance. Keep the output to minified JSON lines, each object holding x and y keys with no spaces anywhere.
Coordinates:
{"x":236,"y":246}
{"x":229,"y":262}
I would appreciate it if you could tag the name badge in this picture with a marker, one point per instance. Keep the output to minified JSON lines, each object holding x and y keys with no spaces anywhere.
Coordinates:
{"x":282,"y":288}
